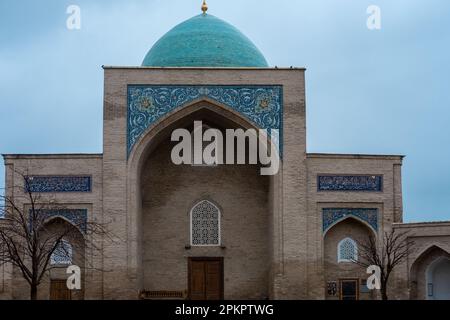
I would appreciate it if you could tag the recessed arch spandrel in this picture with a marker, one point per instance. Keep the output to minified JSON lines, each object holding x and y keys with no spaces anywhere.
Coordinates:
{"x":262,"y":105}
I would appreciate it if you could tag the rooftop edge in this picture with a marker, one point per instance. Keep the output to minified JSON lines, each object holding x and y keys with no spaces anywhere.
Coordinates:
{"x":50,"y":156}
{"x":423,"y":223}
{"x":355,"y":156}
{"x":201,"y":68}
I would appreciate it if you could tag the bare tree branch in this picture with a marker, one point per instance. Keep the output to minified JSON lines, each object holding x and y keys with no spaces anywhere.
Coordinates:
{"x":27,"y":241}
{"x":393,"y":250}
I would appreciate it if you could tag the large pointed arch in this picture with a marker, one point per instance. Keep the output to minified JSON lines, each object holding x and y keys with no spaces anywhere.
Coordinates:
{"x":152,"y":138}
{"x":428,"y":249}
{"x":61,"y":218}
{"x":168,"y":121}
{"x":332,"y":216}
{"x":374,"y":232}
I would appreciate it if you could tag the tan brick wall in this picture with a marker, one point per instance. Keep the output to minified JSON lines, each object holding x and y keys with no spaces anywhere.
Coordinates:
{"x":92,"y":201}
{"x":430,"y":240}
{"x":288,"y":236}
{"x":288,"y":227}
{"x":387,"y":202}
{"x":170,"y":191}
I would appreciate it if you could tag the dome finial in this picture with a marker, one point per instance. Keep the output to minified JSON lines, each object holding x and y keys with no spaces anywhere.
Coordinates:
{"x":204,"y":7}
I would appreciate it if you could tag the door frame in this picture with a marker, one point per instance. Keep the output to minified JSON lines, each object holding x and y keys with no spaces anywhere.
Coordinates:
{"x":349,"y":279}
{"x":219,"y":259}
{"x":60,"y":282}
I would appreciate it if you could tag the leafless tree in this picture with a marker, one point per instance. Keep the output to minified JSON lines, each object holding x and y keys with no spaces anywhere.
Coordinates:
{"x":390,"y":252}
{"x":27,"y":243}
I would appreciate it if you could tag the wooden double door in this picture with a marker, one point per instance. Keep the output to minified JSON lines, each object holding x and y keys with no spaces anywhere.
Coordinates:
{"x":205,"y":278}
{"x":59,"y":290}
{"x":349,"y":289}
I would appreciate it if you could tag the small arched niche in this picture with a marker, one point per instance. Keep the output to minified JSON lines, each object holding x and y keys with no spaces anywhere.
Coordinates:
{"x":340,"y":266}
{"x":71,"y":251}
{"x":430,"y":275}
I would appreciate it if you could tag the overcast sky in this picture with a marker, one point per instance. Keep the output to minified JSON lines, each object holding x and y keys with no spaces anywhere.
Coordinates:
{"x":368,"y":91}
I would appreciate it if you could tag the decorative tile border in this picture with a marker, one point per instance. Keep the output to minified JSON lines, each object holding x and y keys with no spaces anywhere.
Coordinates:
{"x":262,"y":105}
{"x":372,"y":183}
{"x":77,"y":216}
{"x":332,"y":215}
{"x":55,"y":184}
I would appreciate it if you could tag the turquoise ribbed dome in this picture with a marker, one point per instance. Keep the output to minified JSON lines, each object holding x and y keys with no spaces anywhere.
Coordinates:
{"x":204,"y":41}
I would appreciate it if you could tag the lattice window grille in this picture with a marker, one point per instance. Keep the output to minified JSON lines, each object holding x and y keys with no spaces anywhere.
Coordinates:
{"x":62,"y":254}
{"x":205,"y":224}
{"x":347,"y":251}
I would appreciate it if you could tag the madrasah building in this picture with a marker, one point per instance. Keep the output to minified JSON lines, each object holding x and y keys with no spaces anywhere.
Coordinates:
{"x":222,"y":231}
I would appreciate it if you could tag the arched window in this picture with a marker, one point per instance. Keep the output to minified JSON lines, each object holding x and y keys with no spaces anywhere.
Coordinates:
{"x":205,"y":224}
{"x":347,"y":250}
{"x":62,"y":254}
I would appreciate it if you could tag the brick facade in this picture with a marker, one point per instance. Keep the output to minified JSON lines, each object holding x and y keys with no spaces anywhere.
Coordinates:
{"x":274,"y":244}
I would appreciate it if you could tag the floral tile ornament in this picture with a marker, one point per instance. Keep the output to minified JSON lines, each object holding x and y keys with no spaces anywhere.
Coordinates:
{"x":261,"y":105}
{"x":331,"y":216}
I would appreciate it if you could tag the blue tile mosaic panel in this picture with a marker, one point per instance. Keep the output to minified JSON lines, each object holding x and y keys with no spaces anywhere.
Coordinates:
{"x":350,"y":183}
{"x":332,"y":215}
{"x":59,"y":184}
{"x":261,"y":105}
{"x":77,"y":216}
